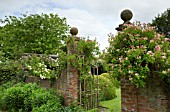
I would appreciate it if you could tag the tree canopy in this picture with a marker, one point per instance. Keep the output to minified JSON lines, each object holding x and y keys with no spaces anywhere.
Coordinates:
{"x":34,"y":33}
{"x":162,"y":23}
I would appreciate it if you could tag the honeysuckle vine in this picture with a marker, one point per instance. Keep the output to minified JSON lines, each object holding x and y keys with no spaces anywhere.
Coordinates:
{"x":138,"y":52}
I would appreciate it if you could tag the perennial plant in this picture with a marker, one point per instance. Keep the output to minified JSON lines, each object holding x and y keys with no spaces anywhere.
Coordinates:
{"x":138,"y":52}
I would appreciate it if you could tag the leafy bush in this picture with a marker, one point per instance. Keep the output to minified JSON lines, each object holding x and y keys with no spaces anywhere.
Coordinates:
{"x":42,"y":66}
{"x":107,"y":88}
{"x":72,"y":108}
{"x":115,"y":82}
{"x":7,"y":71}
{"x":27,"y":97}
{"x":137,"y":53}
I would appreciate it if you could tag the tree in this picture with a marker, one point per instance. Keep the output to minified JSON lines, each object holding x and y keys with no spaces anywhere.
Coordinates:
{"x":162,"y":23}
{"x":34,"y":33}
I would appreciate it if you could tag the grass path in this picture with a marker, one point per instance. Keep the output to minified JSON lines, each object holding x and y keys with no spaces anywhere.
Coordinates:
{"x":113,"y":105}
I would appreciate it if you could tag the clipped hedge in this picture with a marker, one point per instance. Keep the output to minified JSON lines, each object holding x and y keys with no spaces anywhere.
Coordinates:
{"x":28,"y":97}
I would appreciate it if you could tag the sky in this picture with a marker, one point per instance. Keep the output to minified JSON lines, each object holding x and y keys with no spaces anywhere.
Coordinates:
{"x":93,"y":18}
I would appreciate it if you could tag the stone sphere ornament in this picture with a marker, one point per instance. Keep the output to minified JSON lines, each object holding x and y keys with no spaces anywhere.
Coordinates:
{"x":126,"y":15}
{"x":74,"y":31}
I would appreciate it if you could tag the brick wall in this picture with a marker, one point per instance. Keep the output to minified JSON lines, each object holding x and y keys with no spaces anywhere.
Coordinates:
{"x":154,"y":97}
{"x":67,"y":84}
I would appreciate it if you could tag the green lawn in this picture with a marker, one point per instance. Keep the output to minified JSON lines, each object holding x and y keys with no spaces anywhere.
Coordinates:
{"x":113,"y":105}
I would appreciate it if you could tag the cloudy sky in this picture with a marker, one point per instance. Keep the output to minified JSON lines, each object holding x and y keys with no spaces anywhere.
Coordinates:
{"x":93,"y":18}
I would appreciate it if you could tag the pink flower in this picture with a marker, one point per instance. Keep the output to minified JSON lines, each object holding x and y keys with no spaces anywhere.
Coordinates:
{"x":145,"y":38}
{"x":121,"y":59}
{"x":132,"y":47}
{"x":159,"y":35}
{"x":140,"y":38}
{"x":142,"y":46}
{"x":166,"y":39}
{"x":157,"y":48}
{"x":151,"y":41}
{"x":137,"y":35}
{"x":129,"y":66}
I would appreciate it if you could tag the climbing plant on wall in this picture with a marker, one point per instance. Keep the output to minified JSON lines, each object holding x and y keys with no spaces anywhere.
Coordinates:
{"x":138,"y":52}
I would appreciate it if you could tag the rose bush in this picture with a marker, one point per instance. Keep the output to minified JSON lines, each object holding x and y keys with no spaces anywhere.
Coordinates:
{"x":138,"y":52}
{"x":43,"y":67}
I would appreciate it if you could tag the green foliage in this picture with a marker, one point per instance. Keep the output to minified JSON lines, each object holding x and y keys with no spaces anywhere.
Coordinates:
{"x":138,"y":52}
{"x":162,"y":23}
{"x":114,"y":81}
{"x":72,"y":109}
{"x":27,"y":97}
{"x":93,"y":110}
{"x":7,"y":71}
{"x":107,"y":89}
{"x":83,"y":55}
{"x":42,"y":66}
{"x":113,"y":105}
{"x":34,"y":33}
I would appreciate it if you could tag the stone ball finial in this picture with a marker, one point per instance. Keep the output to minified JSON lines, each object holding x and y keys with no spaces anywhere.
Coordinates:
{"x":74,"y":31}
{"x":126,"y":15}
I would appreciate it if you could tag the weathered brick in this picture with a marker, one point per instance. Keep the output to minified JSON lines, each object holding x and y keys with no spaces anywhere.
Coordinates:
{"x":152,"y":98}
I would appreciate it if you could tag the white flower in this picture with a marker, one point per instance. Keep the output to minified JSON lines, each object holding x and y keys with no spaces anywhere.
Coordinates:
{"x":130,"y":72}
{"x":164,"y":54}
{"x":40,"y":64}
{"x":117,"y":50}
{"x":138,"y":57}
{"x":136,"y":74}
{"x":166,"y":39}
{"x":29,"y":67}
{"x":163,"y":57}
{"x":150,"y":53}
{"x":164,"y":72}
{"x":130,"y":78}
{"x":42,"y":77}
{"x":169,"y":70}
{"x":145,"y":38}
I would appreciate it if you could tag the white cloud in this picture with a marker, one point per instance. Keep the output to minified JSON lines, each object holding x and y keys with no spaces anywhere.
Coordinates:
{"x":94,"y":18}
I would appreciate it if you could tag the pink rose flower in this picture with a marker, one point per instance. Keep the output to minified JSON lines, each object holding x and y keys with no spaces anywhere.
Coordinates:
{"x":157,"y":48}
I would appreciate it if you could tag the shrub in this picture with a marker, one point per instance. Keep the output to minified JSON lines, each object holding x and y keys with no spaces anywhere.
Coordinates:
{"x":7,"y":71}
{"x":27,"y":97}
{"x":115,"y":82}
{"x":107,"y":88}
{"x":138,"y":53}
